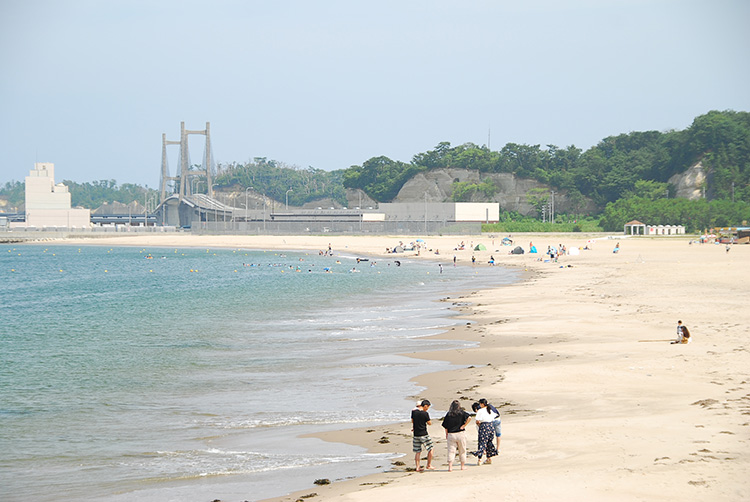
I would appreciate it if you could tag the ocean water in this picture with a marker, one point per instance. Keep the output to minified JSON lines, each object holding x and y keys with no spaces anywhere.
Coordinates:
{"x":187,"y":374}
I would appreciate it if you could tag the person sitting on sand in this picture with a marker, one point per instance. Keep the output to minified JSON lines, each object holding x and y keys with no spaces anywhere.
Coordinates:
{"x":485,"y":433}
{"x":420,"y":420}
{"x":454,"y":423}
{"x":683,"y":335}
{"x":496,"y":424}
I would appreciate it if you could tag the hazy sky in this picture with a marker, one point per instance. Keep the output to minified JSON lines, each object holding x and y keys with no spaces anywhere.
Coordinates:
{"x":92,"y":85}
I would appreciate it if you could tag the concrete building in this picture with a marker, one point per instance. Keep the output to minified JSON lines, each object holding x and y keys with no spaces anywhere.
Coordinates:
{"x":203,"y":213}
{"x":464,"y":212}
{"x":48,"y":204}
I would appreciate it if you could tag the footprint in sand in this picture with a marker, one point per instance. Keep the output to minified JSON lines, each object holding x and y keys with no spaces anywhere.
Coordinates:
{"x":706,"y":402}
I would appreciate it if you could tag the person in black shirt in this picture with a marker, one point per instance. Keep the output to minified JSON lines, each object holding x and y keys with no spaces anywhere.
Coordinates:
{"x":454,"y":423}
{"x":420,"y":420}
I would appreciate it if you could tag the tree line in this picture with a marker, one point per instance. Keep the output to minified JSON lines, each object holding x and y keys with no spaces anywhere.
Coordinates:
{"x":626,"y":174}
{"x":605,"y":172}
{"x":274,"y":179}
{"x":89,"y":195}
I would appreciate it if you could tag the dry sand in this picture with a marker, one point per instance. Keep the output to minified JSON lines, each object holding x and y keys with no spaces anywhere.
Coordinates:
{"x":596,"y":405}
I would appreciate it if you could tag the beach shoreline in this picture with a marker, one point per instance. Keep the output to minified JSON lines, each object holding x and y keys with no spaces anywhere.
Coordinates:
{"x":590,"y":407}
{"x":658,"y":420}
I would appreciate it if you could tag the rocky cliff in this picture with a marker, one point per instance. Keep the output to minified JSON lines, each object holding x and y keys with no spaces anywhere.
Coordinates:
{"x":691,"y":183}
{"x":357,"y":198}
{"x":512,"y":192}
{"x":437,"y":186}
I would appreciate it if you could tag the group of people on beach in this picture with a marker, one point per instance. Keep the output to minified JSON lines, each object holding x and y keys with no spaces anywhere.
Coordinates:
{"x":455,"y":421}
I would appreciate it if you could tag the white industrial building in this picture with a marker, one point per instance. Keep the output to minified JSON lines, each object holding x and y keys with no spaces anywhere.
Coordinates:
{"x":48,"y":204}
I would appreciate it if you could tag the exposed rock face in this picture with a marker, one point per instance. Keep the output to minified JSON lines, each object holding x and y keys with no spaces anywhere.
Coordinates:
{"x":357,"y":198}
{"x":690,"y":184}
{"x":437,"y":186}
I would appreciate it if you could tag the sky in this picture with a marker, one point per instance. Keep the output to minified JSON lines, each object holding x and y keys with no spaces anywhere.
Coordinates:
{"x":91,"y":85}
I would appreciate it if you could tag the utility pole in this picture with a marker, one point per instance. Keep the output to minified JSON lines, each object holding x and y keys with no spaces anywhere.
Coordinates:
{"x":552,"y":207}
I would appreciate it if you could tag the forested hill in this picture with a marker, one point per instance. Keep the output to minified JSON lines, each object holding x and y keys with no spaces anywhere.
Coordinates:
{"x":627,"y":165}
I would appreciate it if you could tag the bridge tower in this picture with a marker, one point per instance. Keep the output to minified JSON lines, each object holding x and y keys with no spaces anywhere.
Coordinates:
{"x":165,"y":177}
{"x":184,"y":171}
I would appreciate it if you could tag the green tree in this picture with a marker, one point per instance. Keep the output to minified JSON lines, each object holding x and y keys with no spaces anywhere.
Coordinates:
{"x":648,"y":189}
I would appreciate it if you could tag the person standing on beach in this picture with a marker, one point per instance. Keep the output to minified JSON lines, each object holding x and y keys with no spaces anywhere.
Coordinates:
{"x":421,"y":440}
{"x":454,"y":423}
{"x":496,"y":423}
{"x":485,"y":433}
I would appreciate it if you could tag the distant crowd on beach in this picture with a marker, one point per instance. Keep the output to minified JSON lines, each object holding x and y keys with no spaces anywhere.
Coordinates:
{"x":456,"y":420}
{"x":552,"y":254}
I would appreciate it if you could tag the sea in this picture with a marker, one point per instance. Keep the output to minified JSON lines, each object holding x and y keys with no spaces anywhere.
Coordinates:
{"x":188,"y":374}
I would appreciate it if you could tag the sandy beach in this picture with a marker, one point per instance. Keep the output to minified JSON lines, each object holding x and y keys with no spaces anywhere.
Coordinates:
{"x":596,"y":403}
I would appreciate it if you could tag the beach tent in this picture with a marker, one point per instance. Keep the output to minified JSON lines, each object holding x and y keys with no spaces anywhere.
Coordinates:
{"x":517,"y":250}
{"x":398,"y":249}
{"x":480,"y":247}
